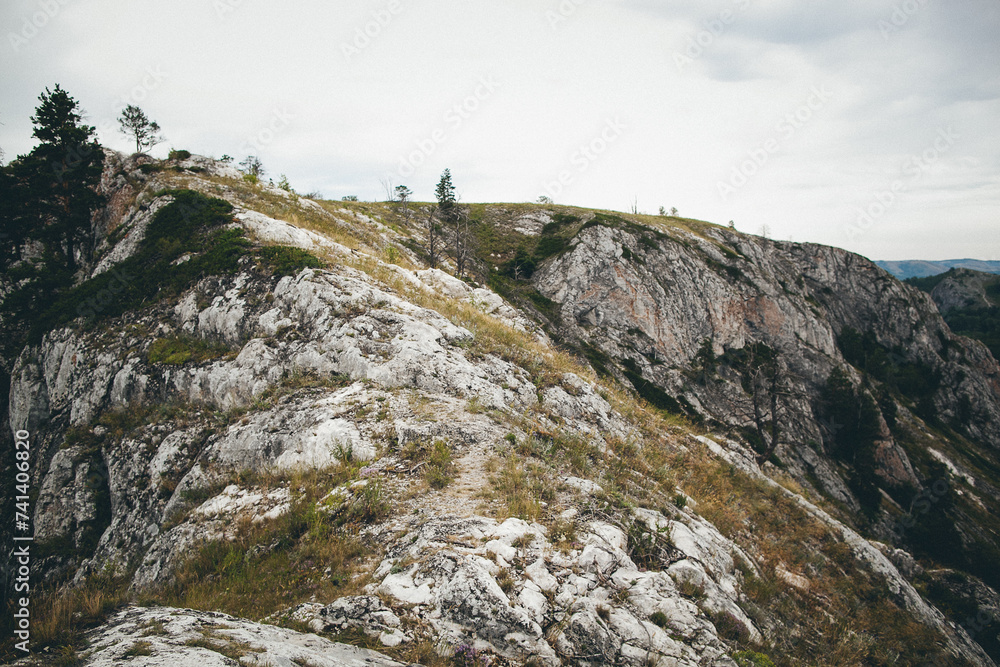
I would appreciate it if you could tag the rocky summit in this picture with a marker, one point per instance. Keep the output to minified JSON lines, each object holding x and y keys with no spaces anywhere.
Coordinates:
{"x":267,"y":429}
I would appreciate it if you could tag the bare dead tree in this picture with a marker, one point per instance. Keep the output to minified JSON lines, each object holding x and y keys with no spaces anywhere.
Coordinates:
{"x":389,"y":188}
{"x":402,"y":195}
{"x":463,"y":245}
{"x":766,"y":383}
{"x":433,"y":233}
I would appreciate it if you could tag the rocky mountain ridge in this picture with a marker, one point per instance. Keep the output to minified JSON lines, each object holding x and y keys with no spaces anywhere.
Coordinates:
{"x":435,"y":476}
{"x":919,"y":268}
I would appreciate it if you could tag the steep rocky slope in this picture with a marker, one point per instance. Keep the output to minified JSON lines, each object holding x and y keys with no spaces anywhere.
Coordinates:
{"x":961,"y":289}
{"x":906,"y":269}
{"x":969,"y":301}
{"x":657,"y":306}
{"x":344,"y":442}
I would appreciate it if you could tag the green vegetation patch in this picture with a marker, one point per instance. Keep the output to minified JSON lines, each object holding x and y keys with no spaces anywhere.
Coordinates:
{"x":440,"y":467}
{"x":190,"y":225}
{"x":521,"y":487}
{"x":179,"y":350}
{"x":309,"y":551}
{"x":288,"y":261}
{"x":752,"y":659}
{"x":184,"y":243}
{"x":652,"y":393}
{"x":916,"y":380}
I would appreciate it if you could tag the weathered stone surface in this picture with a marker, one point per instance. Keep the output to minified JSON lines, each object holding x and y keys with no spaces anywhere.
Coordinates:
{"x":457,"y":590}
{"x":163,"y":636}
{"x":654,"y":303}
{"x":336,"y":365}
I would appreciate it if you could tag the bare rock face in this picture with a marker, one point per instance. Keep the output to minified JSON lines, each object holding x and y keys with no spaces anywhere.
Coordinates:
{"x":497,"y":585}
{"x":165,"y":636}
{"x":963,"y":288}
{"x":142,"y":461}
{"x":652,"y":301}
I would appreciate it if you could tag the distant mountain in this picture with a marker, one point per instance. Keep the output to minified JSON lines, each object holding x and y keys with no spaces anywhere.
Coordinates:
{"x":969,"y":301}
{"x":920,"y":268}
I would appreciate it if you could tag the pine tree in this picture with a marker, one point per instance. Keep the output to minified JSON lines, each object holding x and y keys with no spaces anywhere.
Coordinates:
{"x":445,"y":193}
{"x":11,"y":230}
{"x":403,"y":195}
{"x":57,"y":181}
{"x":134,"y":123}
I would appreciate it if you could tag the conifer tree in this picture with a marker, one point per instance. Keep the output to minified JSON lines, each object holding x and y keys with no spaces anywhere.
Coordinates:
{"x":56,"y":183}
{"x":134,"y":123}
{"x":445,"y":193}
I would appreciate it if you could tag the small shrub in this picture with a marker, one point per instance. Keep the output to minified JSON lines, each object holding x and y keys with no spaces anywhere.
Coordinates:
{"x":562,"y":533}
{"x":659,"y":618}
{"x":440,"y":468}
{"x":370,"y":504}
{"x":179,"y":350}
{"x":521,"y":487}
{"x":647,"y":548}
{"x":344,"y":453}
{"x":523,"y":542}
{"x":752,"y":659}
{"x":690,"y":589}
{"x":231,"y":649}
{"x":288,"y":261}
{"x":467,"y":656}
{"x":505,"y":581}
{"x":178,"y":155}
{"x":729,"y":627}
{"x":139,"y":648}
{"x":155,"y":628}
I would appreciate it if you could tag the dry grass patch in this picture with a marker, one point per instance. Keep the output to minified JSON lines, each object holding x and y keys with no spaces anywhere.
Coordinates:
{"x":309,"y":551}
{"x":521,"y":488}
{"x":60,"y":618}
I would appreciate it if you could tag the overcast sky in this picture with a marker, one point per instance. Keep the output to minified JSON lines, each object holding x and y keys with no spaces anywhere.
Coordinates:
{"x":866,"y":124}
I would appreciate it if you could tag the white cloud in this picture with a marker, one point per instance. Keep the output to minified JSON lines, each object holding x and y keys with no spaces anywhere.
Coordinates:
{"x":337,"y":96}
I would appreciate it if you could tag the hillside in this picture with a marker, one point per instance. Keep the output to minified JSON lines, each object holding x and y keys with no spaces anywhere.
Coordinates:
{"x":263,"y":429}
{"x":969,"y":301}
{"x":921,"y":268}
